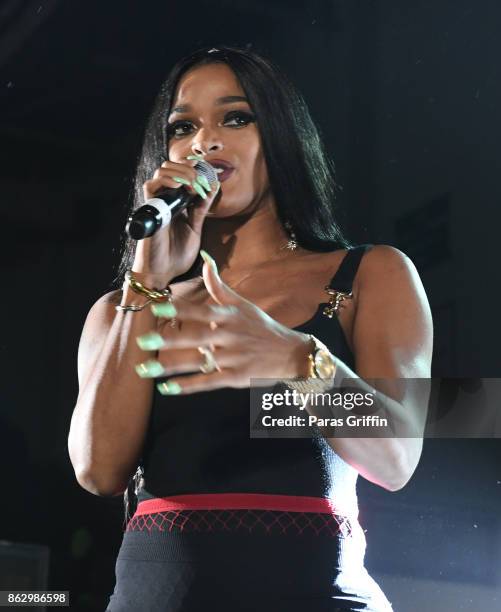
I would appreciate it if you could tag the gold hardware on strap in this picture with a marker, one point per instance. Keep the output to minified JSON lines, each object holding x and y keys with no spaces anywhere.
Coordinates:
{"x":336,"y":299}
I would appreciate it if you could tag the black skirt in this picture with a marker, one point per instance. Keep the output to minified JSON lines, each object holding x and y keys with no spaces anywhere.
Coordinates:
{"x":164,"y":570}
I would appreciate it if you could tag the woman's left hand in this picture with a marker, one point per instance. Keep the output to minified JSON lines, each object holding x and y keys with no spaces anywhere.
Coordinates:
{"x":245,"y":341}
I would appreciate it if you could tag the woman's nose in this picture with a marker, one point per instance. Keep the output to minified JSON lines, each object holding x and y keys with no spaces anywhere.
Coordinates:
{"x":204,"y":146}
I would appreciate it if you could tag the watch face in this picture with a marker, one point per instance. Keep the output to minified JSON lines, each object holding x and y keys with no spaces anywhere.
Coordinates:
{"x":325,"y":366}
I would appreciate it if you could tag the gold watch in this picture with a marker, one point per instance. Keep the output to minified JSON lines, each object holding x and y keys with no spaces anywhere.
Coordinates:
{"x":321,"y":370}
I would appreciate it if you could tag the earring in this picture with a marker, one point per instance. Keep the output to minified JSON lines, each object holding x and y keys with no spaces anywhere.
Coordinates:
{"x":292,"y":242}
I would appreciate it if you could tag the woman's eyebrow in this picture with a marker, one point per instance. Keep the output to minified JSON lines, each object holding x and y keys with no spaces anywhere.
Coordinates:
{"x":219,"y":102}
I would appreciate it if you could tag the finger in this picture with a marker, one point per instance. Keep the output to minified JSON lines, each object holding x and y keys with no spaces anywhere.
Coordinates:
{"x":205,"y":313}
{"x":153,"y":186}
{"x":195,"y":335}
{"x":180,"y":167}
{"x":184,"y":334}
{"x":219,"y":291}
{"x":168,"y":331}
{"x":174,"y":178}
{"x":181,"y":175}
{"x":181,"y":170}
{"x":199,"y":382}
{"x":182,"y":361}
{"x":186,"y":174}
{"x":198,"y":214}
{"x":195,"y":182}
{"x":187,"y":328}
{"x":190,"y":161}
{"x":177,"y":361}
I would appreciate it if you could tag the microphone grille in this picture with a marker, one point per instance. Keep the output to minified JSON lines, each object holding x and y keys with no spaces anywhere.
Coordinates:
{"x":203,"y":168}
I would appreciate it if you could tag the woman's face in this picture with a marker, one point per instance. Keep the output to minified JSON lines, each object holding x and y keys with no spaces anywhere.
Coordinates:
{"x":211,"y":117}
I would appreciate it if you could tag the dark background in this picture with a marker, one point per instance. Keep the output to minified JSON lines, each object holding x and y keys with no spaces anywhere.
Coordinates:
{"x":407,"y":97}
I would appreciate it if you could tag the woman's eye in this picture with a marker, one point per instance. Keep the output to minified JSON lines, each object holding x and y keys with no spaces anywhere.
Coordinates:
{"x":237,"y":119}
{"x":241,"y":118}
{"x":176,"y":129}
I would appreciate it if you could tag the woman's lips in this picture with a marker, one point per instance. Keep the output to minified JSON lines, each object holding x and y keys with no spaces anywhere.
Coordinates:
{"x":222,"y":167}
{"x":225,"y":174}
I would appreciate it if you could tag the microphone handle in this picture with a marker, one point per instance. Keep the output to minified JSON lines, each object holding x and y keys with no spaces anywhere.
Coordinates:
{"x":178,"y":200}
{"x":156,"y":213}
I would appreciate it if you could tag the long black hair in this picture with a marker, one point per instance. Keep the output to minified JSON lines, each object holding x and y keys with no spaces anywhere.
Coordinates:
{"x":302,"y":177}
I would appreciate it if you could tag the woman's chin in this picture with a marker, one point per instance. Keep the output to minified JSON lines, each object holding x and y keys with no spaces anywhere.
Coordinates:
{"x":221,"y":208}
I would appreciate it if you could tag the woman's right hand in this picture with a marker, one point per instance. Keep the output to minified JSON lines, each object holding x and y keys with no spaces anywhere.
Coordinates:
{"x":172,"y":250}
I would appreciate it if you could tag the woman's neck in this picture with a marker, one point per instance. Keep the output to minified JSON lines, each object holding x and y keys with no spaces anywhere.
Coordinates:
{"x":239,"y":244}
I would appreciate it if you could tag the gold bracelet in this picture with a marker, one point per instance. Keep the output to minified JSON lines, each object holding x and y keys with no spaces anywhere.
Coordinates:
{"x":132,"y":307}
{"x":153,"y":295}
{"x":157,"y":295}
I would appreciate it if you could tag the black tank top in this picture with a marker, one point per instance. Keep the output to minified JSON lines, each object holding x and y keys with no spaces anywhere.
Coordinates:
{"x":200,"y":443}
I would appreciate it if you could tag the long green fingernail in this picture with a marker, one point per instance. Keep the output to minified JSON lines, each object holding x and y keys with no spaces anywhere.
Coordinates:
{"x":164,"y":309}
{"x":204,"y":182}
{"x":199,"y":189}
{"x":207,"y":258}
{"x":150,"y":369}
{"x":180,"y":179}
{"x":197,"y":157}
{"x":150,"y":341}
{"x":224,"y":310}
{"x":169,"y":388}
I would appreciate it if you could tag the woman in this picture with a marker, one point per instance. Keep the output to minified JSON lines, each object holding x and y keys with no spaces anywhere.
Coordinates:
{"x":226,"y":521}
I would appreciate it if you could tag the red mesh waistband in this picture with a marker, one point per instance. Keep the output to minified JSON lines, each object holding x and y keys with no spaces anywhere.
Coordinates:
{"x":242,"y":501}
{"x":251,"y":513}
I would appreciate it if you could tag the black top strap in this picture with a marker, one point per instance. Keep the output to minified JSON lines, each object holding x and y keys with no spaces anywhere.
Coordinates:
{"x":343,"y":279}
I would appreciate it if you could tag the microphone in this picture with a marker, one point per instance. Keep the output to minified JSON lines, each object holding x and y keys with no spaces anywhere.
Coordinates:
{"x":158,"y":212}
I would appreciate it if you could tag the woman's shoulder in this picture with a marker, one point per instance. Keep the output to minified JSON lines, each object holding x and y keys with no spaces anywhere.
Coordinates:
{"x":374,"y":254}
{"x":377,"y":261}
{"x":383,"y":258}
{"x":370,"y":251}
{"x":385,"y":268}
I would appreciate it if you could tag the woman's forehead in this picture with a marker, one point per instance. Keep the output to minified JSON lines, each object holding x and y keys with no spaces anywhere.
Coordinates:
{"x":213,"y":80}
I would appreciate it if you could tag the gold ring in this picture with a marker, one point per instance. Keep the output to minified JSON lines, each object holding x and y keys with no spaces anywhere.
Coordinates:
{"x":210,"y":364}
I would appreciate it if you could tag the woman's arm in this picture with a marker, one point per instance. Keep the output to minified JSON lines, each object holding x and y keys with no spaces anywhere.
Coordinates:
{"x":110,"y":418}
{"x":392,"y":339}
